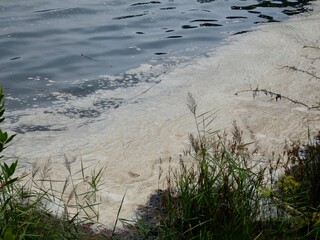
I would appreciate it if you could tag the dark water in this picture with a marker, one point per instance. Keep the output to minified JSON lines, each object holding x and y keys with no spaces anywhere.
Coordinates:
{"x":49,"y":48}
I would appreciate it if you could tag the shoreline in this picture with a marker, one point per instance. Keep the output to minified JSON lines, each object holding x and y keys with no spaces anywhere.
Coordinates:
{"x":214,"y":81}
{"x":161,"y":122}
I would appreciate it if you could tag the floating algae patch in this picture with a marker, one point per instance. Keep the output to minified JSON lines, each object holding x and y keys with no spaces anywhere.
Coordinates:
{"x":149,"y":130}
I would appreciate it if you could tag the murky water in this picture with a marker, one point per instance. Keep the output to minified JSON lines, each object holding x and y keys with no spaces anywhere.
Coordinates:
{"x":53,"y":49}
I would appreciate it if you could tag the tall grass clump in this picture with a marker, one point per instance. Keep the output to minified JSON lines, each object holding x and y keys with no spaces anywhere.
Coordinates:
{"x":216,"y":195}
{"x":296,"y":191}
{"x":223,"y":192}
{"x":31,"y":207}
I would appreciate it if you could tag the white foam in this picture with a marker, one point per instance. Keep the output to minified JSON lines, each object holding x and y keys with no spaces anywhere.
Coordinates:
{"x":153,"y":120}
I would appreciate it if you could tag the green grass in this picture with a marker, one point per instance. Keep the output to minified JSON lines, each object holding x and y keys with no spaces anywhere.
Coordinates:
{"x":217,"y":195}
{"x":24,"y":200}
{"x":222,"y":193}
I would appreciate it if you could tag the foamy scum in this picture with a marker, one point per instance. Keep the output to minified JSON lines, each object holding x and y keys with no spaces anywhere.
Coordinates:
{"x":151,"y":121}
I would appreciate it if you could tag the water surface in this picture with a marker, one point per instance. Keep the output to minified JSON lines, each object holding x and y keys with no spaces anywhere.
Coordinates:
{"x":51,"y":49}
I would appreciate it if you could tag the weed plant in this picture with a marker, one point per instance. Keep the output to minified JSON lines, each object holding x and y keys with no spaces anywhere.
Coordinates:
{"x":31,"y":208}
{"x":223,"y":193}
{"x":219,"y":193}
{"x":296,"y":192}
{"x":216,"y":197}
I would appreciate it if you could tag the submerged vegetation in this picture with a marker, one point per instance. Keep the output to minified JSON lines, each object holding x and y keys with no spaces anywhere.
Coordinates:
{"x":222,"y":191}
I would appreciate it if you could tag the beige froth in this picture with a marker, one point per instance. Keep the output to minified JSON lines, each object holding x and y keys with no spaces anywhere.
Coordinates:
{"x":136,"y":136}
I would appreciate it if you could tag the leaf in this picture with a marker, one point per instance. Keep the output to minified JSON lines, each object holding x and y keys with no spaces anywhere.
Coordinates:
{"x":3,"y":136}
{"x":12,"y":168}
{"x":10,"y":138}
{"x":1,"y":112}
{"x":8,"y":235}
{"x":11,"y":181}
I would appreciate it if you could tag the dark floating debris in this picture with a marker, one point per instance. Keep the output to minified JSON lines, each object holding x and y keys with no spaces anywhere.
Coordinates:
{"x":294,"y":12}
{"x":269,"y":18}
{"x":210,"y":25}
{"x":298,"y":5}
{"x":146,"y":3}
{"x":140,"y":33}
{"x":87,"y":57}
{"x":236,"y":17}
{"x":15,"y":58}
{"x":250,"y":7}
{"x":241,"y":32}
{"x":130,"y":16}
{"x":188,"y":26}
{"x":255,"y":12}
{"x":168,"y":8}
{"x":160,"y":53}
{"x":47,"y":10}
{"x":174,"y":37}
{"x":205,"y":1}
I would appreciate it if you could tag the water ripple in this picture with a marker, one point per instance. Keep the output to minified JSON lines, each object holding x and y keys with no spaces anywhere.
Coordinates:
{"x":48,"y":40}
{"x":130,"y":16}
{"x":145,"y":3}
